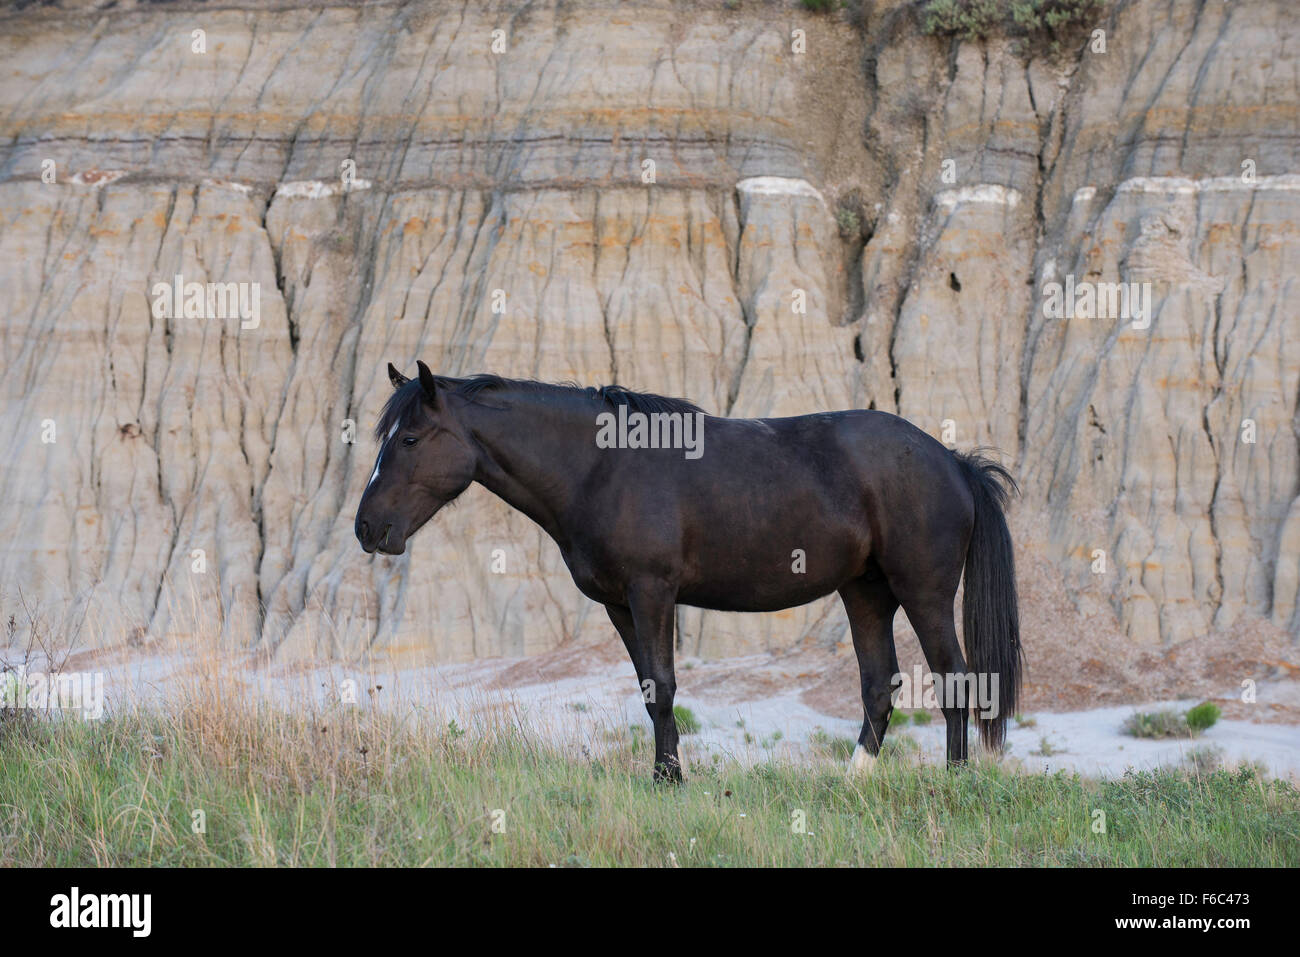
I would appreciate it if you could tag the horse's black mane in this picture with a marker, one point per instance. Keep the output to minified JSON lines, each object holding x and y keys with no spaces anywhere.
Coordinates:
{"x":401,"y":405}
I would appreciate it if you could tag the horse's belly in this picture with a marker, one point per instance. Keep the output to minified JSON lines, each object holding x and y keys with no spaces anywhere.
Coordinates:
{"x":770,"y":579}
{"x":755,"y":596}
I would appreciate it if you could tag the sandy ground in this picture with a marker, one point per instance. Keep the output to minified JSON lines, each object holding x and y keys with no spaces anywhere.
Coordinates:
{"x":750,"y":708}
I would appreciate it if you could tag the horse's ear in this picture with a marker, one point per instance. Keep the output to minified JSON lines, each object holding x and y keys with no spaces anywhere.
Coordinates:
{"x":426,"y":381}
{"x":396,"y":378}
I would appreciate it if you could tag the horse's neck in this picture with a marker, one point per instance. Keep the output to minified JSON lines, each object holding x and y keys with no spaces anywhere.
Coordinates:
{"x":533,"y":454}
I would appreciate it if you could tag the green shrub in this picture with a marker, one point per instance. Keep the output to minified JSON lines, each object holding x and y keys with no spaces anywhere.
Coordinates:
{"x":687,"y":723}
{"x":1171,"y":724}
{"x":966,"y":19}
{"x":1053,"y":15}
{"x":818,"y":6}
{"x":1203,"y":716}
{"x":849,"y":222}
{"x":1157,"y":724}
{"x":974,"y":19}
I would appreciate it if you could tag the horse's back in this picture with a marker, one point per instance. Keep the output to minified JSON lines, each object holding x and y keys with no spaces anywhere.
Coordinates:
{"x":863,"y":441}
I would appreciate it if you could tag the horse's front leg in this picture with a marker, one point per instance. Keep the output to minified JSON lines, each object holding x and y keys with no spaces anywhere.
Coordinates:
{"x":653,"y":605}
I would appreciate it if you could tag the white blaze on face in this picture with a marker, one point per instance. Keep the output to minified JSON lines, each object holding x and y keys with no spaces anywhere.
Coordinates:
{"x":391,"y":433}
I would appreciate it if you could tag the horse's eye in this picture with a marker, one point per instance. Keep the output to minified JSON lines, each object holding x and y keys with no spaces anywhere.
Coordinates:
{"x":409,"y":440}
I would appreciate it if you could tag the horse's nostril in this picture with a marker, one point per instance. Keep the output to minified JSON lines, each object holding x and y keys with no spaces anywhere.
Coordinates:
{"x":365,"y":529}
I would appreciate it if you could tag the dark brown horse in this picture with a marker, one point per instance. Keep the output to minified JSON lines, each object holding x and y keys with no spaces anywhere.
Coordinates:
{"x":654,"y":504}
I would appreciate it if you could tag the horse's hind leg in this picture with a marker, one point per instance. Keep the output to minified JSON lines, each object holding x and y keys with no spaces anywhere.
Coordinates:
{"x":871,"y":607}
{"x":930,"y":611}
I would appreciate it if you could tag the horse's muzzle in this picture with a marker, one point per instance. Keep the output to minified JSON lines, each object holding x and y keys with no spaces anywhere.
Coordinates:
{"x":379,"y":538}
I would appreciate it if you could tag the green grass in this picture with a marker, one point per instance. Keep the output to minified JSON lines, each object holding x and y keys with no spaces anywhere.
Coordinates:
{"x":1045,"y":748}
{"x":353,"y":787}
{"x":1204,"y":760}
{"x":836,"y":747}
{"x":899,"y":747}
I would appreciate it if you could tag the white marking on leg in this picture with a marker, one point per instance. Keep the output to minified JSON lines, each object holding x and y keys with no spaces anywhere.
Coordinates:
{"x":862,"y":763}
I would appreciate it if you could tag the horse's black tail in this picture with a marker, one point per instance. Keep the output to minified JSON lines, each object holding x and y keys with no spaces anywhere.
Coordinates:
{"x":990,"y":618}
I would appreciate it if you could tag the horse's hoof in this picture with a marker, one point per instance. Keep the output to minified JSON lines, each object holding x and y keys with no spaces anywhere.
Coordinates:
{"x":862,"y":763}
{"x":668,"y":774}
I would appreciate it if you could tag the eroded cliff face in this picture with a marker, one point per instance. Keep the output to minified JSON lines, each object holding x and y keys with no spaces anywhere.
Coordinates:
{"x":399,"y":189}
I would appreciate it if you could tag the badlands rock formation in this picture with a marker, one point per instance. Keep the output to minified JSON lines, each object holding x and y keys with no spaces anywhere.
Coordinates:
{"x":644,"y":193}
